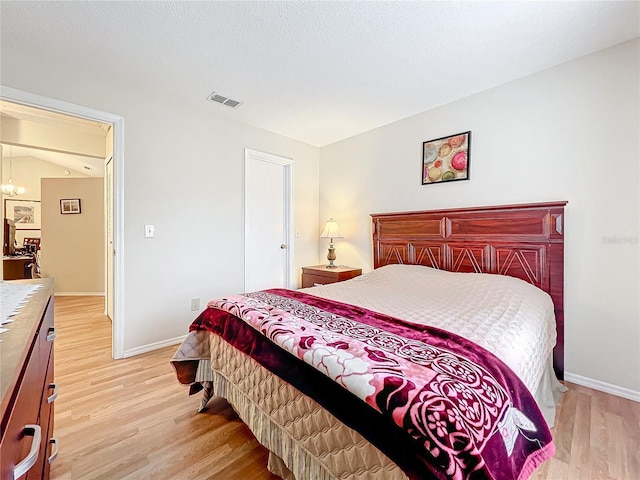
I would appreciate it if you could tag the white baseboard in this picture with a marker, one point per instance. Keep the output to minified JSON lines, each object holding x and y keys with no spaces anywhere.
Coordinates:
{"x":79,"y":294}
{"x":603,"y":386}
{"x":153,"y":346}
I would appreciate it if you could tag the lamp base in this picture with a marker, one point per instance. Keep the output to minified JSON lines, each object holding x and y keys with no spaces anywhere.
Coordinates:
{"x":331,"y":256}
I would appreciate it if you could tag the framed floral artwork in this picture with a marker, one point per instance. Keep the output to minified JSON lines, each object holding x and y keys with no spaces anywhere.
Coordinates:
{"x":446,"y":159}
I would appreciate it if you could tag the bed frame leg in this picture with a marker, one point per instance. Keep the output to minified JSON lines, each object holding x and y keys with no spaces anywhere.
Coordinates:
{"x":207,"y":393}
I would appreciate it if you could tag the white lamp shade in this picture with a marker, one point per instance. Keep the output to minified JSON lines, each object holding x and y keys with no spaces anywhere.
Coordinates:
{"x":331,"y":230}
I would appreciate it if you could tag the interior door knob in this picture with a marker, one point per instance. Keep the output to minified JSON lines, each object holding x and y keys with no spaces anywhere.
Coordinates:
{"x":283,"y":246}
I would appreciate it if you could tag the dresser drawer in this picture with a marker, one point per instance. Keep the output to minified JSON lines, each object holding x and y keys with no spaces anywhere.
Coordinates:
{"x":17,"y":440}
{"x":321,"y":275}
{"x":312,"y":280}
{"x":45,"y":420}
{"x":46,"y":335}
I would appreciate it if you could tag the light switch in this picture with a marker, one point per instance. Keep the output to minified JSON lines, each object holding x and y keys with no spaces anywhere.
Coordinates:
{"x":149,"y":231}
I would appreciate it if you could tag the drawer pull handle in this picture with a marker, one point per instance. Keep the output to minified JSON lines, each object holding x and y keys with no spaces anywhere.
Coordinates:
{"x":52,"y":398}
{"x":52,"y":334}
{"x":54,"y":451}
{"x":317,"y":285}
{"x":30,"y":460}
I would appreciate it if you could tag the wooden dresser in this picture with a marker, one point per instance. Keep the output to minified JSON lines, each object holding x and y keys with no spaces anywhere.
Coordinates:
{"x":27,"y":388}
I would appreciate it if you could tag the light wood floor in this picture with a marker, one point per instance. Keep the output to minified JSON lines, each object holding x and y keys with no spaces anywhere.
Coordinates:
{"x":131,"y":420}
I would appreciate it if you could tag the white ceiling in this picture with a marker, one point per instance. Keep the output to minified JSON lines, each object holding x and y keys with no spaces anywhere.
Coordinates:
{"x":78,"y":163}
{"x":73,"y":161}
{"x":318,"y":71}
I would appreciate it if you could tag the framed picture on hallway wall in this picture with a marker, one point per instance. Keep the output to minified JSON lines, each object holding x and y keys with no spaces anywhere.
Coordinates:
{"x":446,"y":159}
{"x":25,"y":213}
{"x":69,"y":206}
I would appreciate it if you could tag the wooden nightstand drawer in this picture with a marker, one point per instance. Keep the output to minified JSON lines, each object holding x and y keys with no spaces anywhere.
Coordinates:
{"x":321,"y":275}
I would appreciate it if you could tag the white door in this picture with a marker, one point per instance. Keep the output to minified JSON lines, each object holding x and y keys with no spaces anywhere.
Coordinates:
{"x":267,"y":221}
{"x":108,"y":178}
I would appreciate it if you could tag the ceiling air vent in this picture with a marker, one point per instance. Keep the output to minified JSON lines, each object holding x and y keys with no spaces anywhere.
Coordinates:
{"x":229,"y":102}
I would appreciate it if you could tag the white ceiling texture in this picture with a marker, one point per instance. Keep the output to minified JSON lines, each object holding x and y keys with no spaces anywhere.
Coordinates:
{"x":318,"y":71}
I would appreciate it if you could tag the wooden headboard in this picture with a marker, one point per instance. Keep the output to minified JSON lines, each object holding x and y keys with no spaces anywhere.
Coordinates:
{"x":523,"y":241}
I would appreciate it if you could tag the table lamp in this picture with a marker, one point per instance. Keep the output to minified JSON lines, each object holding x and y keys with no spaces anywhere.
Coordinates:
{"x":331,"y":231}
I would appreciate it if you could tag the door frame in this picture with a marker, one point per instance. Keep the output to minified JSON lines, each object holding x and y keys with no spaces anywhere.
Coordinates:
{"x":287,"y":164}
{"x":109,"y":248}
{"x":46,"y":103}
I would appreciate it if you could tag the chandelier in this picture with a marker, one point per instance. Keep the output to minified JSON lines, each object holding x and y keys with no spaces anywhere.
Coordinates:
{"x":11,"y":189}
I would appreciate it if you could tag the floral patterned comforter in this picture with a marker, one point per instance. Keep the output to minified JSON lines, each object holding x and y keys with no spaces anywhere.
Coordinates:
{"x":437,"y":404}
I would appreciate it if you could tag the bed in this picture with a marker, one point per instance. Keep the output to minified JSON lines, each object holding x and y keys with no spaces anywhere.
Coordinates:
{"x":472,"y":270}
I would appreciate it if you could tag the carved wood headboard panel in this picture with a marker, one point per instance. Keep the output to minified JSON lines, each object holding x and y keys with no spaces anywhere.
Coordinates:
{"x":523,"y":241}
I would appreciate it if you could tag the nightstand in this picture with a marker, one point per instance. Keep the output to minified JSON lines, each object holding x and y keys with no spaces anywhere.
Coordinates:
{"x":321,"y":275}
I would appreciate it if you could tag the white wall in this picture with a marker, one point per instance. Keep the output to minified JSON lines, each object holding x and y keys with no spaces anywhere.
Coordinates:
{"x":568,"y":133}
{"x":183,"y":172}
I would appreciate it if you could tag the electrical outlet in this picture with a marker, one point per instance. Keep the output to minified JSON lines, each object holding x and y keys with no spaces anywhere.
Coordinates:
{"x":195,"y":304}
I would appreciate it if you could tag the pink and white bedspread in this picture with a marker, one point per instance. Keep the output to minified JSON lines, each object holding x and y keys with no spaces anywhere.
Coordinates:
{"x":437,"y":404}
